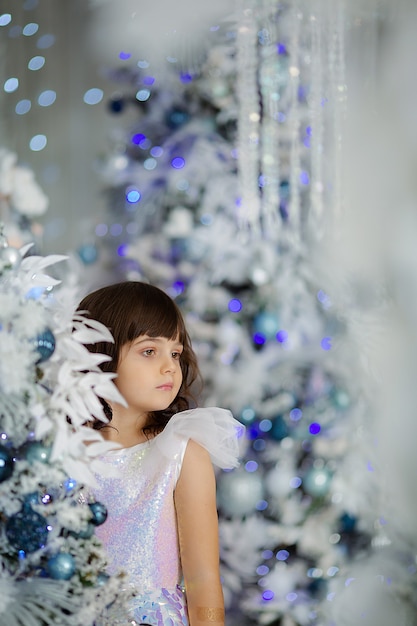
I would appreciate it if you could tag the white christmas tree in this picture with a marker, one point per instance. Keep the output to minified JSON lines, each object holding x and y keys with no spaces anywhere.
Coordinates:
{"x":52,"y":565}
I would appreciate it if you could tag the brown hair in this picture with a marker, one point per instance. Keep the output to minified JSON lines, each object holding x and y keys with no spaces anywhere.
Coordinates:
{"x":131,"y":309}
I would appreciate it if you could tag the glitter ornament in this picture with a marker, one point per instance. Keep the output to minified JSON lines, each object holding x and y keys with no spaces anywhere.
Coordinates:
{"x":317,"y":482}
{"x":36,"y":451}
{"x":61,"y":566}
{"x":45,"y":345}
{"x":239,"y":492}
{"x":99,"y":512}
{"x":10,"y":256}
{"x":6,"y":463}
{"x":27,"y":530}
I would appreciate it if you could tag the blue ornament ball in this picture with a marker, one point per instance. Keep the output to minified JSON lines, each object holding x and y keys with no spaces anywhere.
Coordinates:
{"x":61,"y":566}
{"x":347,"y":523}
{"x":239,"y":492}
{"x":44,"y":345}
{"x":266,"y":324}
{"x":317,"y":482}
{"x":36,"y":451}
{"x":117,"y":104}
{"x":27,"y":530}
{"x":6,"y":463}
{"x":99,"y":512}
{"x":88,"y":253}
{"x":176,"y":118}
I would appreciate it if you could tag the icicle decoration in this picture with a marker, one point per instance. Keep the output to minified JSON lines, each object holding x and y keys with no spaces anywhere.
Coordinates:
{"x":249,"y":115}
{"x":269,"y":89}
{"x":316,"y":108}
{"x":291,"y":115}
{"x":338,"y":94}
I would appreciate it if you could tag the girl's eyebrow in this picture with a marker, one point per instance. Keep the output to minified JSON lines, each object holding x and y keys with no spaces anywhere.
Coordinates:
{"x":146,"y":338}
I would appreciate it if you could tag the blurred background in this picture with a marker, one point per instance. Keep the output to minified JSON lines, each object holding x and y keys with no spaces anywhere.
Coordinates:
{"x":255,"y":159}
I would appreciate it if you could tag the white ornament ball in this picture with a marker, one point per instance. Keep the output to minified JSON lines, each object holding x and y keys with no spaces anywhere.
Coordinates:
{"x":239,"y":492}
{"x":10,"y":256}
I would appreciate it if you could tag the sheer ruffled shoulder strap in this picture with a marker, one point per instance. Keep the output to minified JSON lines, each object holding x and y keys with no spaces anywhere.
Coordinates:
{"x":213,"y":428}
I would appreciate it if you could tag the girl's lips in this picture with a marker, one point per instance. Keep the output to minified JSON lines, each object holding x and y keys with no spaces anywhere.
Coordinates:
{"x":166,"y":386}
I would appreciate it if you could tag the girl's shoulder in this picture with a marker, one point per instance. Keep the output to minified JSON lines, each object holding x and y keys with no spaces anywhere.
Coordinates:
{"x":213,"y":428}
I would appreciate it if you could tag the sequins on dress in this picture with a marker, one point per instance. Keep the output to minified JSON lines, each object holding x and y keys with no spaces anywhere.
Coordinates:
{"x":140,"y":533}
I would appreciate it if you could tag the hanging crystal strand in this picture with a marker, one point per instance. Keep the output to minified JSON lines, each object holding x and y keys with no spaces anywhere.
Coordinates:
{"x":316,"y":111}
{"x":269,"y":88}
{"x":294,"y":124}
{"x":338,"y":88}
{"x":248,"y":117}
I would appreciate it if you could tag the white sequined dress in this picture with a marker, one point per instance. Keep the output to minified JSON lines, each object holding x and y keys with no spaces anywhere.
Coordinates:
{"x":140,"y":533}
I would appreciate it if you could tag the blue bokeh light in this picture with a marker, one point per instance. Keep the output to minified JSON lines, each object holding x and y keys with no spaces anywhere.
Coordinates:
{"x":315,"y":428}
{"x":46,"y":41}
{"x":46,"y":98}
{"x":251,"y":466}
{"x":259,"y":339}
{"x":296,"y":414}
{"x":124,"y":56}
{"x":304,"y":178}
{"x":142,"y":95}
{"x":282,"y":555}
{"x":23,"y":106}
{"x":326,"y":343}
{"x":268,"y":595}
{"x":282,"y":336}
{"x":93,"y":96}
{"x":11,"y":84}
{"x":5,"y":19}
{"x":235,"y":305}
{"x":133,"y":195}
{"x":30,"y":29}
{"x":36,"y":63}
{"x":178,"y":163}
{"x":38,"y":143}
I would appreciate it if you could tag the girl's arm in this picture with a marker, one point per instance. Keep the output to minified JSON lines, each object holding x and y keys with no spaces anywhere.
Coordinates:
{"x":195,"y":501}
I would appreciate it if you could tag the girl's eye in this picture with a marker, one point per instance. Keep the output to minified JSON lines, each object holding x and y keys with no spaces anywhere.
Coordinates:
{"x":149,"y":352}
{"x":176,"y":355}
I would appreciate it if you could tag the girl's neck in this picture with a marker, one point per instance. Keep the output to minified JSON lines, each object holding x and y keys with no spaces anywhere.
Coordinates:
{"x":125,"y":429}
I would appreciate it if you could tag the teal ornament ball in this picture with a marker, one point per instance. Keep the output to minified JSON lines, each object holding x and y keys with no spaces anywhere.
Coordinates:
{"x":317,"y":482}
{"x":87,"y":533}
{"x":61,"y":566}
{"x":27,"y":530}
{"x":99,"y":512}
{"x":6,"y":463}
{"x":36,"y":451}
{"x":266,"y":324}
{"x":239,"y":492}
{"x":279,"y":430}
{"x":340,"y":399}
{"x":44,"y":345}
{"x":88,"y":253}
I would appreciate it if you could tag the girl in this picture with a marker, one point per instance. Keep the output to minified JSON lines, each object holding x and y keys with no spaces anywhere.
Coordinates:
{"x":162,"y":526}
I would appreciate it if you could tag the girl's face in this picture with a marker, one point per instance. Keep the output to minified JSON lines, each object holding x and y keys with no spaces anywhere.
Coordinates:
{"x":149,"y":374}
